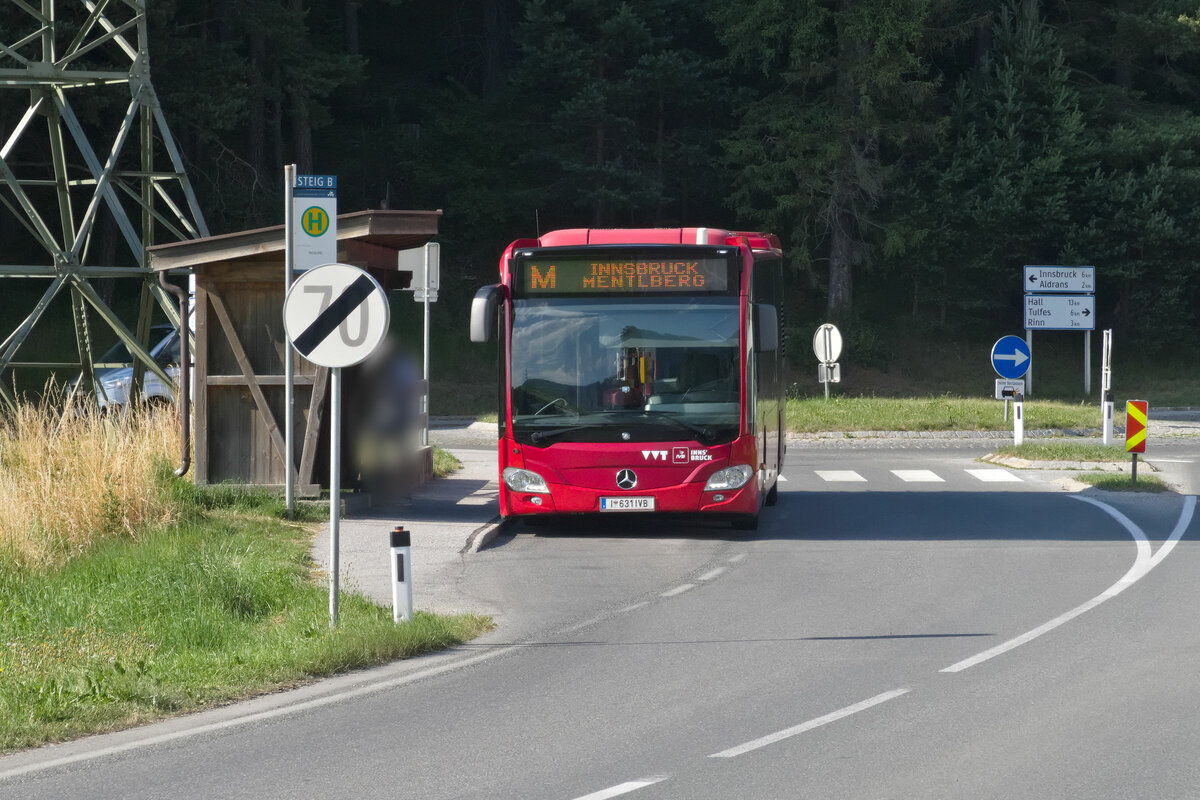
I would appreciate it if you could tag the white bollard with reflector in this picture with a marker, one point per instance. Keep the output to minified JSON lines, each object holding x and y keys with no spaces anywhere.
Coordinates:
{"x":401,"y":575}
{"x":1018,"y":419}
{"x":1108,"y":417}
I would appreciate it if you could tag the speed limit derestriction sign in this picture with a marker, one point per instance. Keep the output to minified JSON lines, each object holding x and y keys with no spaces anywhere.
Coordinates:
{"x":336,"y":315}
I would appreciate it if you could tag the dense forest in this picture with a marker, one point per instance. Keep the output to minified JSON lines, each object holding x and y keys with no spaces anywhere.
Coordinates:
{"x":912,"y":154}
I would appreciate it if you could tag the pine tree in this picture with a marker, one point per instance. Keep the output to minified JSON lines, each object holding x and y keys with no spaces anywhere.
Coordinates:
{"x":841,"y":87}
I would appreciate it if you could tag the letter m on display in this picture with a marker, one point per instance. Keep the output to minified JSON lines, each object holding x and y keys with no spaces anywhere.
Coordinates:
{"x":539,"y":281}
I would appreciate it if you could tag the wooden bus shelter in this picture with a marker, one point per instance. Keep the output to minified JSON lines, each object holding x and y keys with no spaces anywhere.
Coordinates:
{"x":241,"y":344}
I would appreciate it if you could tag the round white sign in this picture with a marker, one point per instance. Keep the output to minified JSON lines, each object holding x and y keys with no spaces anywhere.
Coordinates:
{"x":336,"y":315}
{"x":827,"y":343}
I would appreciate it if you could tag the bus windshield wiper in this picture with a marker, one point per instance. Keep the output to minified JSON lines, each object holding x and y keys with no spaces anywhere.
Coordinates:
{"x":703,"y":431}
{"x":541,"y":436}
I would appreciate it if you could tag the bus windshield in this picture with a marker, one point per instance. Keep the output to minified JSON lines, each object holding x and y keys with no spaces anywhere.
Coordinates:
{"x":625,"y":369}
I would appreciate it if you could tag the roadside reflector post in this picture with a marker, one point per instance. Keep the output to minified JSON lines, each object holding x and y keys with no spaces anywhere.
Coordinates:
{"x":401,"y":575}
{"x":1108,"y":417}
{"x":1018,"y":418}
{"x":1136,"y":419}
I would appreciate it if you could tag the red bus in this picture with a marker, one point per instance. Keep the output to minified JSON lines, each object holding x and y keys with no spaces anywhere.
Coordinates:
{"x":641,"y":371}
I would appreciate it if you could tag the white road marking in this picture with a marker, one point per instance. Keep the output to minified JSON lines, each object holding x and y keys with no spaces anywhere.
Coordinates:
{"x":737,"y":558}
{"x":581,"y":625}
{"x":1170,"y":460}
{"x":712,"y":573}
{"x":840,"y":476}
{"x":811,"y":724}
{"x":623,"y":788}
{"x":678,"y":590}
{"x":1142,"y":564}
{"x":917,"y":476}
{"x":633,"y":607}
{"x":783,"y":478}
{"x":994,"y":475}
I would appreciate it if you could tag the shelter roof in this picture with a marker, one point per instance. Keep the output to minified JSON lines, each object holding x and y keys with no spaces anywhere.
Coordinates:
{"x":368,"y":237}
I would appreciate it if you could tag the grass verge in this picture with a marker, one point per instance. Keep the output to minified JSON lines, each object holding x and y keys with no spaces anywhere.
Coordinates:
{"x":127,"y":594}
{"x":1065,"y":451}
{"x":444,"y":463}
{"x":1120,"y":482}
{"x":814,"y":415}
{"x":219,"y":607}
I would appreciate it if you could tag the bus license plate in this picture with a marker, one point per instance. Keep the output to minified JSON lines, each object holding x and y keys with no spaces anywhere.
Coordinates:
{"x":626,"y":503}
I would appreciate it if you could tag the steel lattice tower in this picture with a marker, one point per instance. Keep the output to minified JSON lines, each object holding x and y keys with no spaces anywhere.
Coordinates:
{"x":58,"y":184}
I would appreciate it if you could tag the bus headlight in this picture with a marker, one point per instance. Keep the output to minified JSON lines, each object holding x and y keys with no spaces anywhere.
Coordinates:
{"x":522,"y":480}
{"x":729,"y":478}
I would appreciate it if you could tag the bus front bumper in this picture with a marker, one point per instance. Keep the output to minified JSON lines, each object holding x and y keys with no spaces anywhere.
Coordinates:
{"x":685,"y":498}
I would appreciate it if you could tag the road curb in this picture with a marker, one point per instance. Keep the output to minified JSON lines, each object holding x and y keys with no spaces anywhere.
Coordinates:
{"x":485,"y":534}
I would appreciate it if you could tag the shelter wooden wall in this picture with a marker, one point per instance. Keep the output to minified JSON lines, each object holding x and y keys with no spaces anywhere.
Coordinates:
{"x":241,"y":344}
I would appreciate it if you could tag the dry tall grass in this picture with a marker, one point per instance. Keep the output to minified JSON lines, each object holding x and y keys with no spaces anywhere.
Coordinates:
{"x":69,"y":479}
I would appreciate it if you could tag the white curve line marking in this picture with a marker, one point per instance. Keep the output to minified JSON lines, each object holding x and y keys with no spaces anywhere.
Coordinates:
{"x":712,"y":573}
{"x":678,"y":590}
{"x":804,"y":727}
{"x":1141,"y":566}
{"x":623,"y":788}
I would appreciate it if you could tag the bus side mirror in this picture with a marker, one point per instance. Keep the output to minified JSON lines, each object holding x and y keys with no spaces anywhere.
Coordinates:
{"x":766,"y":328}
{"x":483,"y":312}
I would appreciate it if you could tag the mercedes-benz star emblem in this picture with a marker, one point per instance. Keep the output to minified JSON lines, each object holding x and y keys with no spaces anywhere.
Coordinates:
{"x":626,"y":479}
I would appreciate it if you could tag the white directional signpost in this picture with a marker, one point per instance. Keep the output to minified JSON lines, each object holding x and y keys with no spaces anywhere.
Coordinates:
{"x":1048,"y":312}
{"x":827,"y":346}
{"x":335,"y":316}
{"x":1061,"y":298}
{"x":1069,"y":280}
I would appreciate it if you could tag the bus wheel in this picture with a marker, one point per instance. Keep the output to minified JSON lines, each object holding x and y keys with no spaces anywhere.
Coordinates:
{"x":749,"y":522}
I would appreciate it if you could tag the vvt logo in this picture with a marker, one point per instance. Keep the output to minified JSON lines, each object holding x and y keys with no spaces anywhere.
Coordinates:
{"x":654,"y":455}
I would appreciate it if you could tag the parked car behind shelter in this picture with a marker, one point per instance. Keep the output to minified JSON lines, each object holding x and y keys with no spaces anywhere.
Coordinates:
{"x":115,"y":381}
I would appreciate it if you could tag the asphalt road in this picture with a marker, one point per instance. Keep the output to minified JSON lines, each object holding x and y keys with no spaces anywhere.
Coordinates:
{"x":907,"y":623}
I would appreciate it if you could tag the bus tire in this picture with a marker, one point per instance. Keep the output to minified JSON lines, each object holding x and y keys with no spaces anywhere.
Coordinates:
{"x":749,"y":522}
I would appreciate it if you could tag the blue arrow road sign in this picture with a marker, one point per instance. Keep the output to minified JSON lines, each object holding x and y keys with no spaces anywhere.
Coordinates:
{"x":1010,"y":357}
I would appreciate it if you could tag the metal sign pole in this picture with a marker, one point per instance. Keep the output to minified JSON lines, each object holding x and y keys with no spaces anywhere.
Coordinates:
{"x":425,"y":430}
{"x":315,"y":316}
{"x":335,"y":487}
{"x":1087,"y":363}
{"x":289,"y":411}
{"x":1029,"y":372}
{"x":828,"y":352}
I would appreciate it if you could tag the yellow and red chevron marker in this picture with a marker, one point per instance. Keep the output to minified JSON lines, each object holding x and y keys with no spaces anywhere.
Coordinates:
{"x":1136,"y":412}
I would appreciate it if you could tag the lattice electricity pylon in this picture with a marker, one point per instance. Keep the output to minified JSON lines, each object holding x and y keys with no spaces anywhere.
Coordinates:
{"x":85,"y":53}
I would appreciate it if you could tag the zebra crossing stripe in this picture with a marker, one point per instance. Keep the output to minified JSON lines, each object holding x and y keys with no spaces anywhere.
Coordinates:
{"x":918,"y":476}
{"x":991,"y":475}
{"x":995,"y":475}
{"x":840,"y":476}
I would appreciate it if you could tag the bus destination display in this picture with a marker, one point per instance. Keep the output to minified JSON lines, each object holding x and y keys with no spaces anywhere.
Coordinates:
{"x":598,"y":275}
